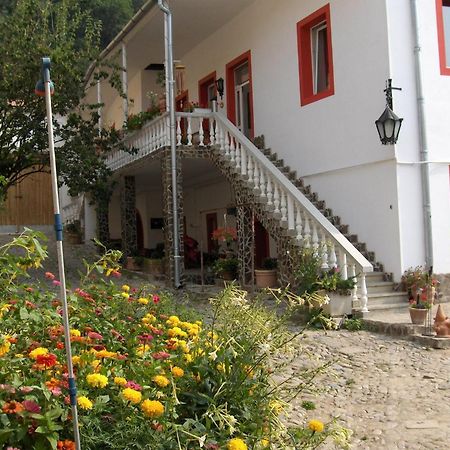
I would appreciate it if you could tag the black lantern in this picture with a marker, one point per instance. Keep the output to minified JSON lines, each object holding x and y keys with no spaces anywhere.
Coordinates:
{"x":219,"y":84}
{"x":389,"y":124}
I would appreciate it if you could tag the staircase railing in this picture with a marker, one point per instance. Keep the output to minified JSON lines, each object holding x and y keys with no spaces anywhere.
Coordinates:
{"x":300,"y":218}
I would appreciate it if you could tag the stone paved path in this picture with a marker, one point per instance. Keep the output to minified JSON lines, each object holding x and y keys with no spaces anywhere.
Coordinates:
{"x":392,"y":393}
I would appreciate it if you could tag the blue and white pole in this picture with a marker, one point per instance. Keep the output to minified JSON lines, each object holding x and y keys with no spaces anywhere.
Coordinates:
{"x":44,"y":87}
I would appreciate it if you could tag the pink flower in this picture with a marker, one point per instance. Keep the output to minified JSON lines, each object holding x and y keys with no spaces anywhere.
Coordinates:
{"x":94,"y":335}
{"x":56,"y":283}
{"x":134,"y":385}
{"x":49,"y":276}
{"x":31,"y":406}
{"x":26,"y":389}
{"x":156,"y":299}
{"x":161,"y":355}
{"x":145,"y":337}
{"x":116,"y":274}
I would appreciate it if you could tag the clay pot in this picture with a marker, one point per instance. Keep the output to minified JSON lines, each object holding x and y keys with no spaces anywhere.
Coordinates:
{"x":265,"y":278}
{"x":418,"y":316}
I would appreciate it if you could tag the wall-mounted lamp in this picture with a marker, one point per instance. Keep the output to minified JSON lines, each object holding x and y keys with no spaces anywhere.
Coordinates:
{"x":389,"y":124}
{"x":219,"y":85}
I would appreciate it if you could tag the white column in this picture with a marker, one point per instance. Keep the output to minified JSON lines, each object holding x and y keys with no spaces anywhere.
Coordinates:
{"x":124,"y":82}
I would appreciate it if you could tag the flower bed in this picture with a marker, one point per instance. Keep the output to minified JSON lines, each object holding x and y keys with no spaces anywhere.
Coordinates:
{"x":146,"y":379}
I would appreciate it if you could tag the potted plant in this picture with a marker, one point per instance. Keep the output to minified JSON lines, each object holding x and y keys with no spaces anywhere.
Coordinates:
{"x":266,"y":276}
{"x":72,"y":231}
{"x":135,"y":262}
{"x":419,"y":280}
{"x":226,"y":268}
{"x":154,"y":264}
{"x":418,"y":309}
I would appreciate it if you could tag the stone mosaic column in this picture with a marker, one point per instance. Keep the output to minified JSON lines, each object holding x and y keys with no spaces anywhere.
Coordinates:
{"x":246,"y":238}
{"x":128,"y":216}
{"x":101,"y":210}
{"x":166,"y":174}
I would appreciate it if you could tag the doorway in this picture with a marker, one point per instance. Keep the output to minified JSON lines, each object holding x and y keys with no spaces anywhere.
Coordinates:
{"x":239,"y":94}
{"x":261,"y":244}
{"x":211,"y":225}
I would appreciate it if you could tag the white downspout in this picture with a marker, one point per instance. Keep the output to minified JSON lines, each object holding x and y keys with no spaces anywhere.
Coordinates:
{"x":124,"y":82}
{"x":171,"y":105}
{"x":424,"y":156}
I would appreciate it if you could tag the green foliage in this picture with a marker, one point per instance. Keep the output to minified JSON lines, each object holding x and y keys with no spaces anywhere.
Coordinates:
{"x":209,"y":382}
{"x":226,"y":265}
{"x":270,"y":263}
{"x":308,"y":405}
{"x":353,"y":324}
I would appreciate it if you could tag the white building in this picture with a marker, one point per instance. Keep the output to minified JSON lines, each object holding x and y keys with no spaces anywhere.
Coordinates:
{"x":309,"y":76}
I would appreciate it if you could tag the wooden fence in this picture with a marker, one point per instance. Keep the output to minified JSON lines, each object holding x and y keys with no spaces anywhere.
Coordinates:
{"x":29,"y":202}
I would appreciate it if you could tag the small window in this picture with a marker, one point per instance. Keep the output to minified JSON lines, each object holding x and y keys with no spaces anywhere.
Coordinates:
{"x":443,"y":27}
{"x":315,"y":56}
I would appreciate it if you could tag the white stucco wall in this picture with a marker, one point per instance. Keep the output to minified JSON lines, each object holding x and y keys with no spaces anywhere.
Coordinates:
{"x":436,"y":95}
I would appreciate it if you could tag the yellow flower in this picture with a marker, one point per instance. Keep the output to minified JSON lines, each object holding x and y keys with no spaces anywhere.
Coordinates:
{"x":96,"y":364}
{"x":143,"y":301}
{"x":236,"y":444}
{"x":177,"y":331}
{"x":152,"y":408}
{"x":4,"y":347}
{"x":315,"y":425}
{"x":38,"y":352}
{"x":188,"y":357}
{"x":125,"y":295}
{"x":173,"y":321}
{"x":97,"y":380}
{"x":120,"y":381}
{"x":105,"y":354}
{"x":125,"y":288}
{"x":84,"y":403}
{"x":76,"y":360}
{"x":141,"y":349}
{"x":265,"y":443}
{"x":161,"y":380}
{"x":132,"y":395}
{"x":177,"y":372}
{"x":74,"y":332}
{"x":17,"y":355}
{"x":221,"y":367}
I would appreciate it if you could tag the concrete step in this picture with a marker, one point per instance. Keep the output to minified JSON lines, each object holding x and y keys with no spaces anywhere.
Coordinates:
{"x":383,"y":287}
{"x":387,"y":298}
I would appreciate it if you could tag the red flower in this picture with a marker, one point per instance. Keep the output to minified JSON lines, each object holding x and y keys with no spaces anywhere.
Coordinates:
{"x":48,"y":360}
{"x":49,"y":276}
{"x":156,"y":299}
{"x":161,"y":355}
{"x":60,"y":345}
{"x":65,"y":445}
{"x":94,"y":335}
{"x":31,"y":406}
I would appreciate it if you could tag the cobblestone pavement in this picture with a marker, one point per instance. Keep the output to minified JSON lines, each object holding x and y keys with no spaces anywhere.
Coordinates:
{"x":392,"y":393}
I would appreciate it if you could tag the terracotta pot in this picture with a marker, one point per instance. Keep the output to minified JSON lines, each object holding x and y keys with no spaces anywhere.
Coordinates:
{"x":73,"y":238}
{"x":266,"y":278}
{"x":418,"y":316}
{"x":228,"y":276}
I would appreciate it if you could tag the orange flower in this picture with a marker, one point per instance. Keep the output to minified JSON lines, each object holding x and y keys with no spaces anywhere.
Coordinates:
{"x":65,"y":445}
{"x":47,"y":361}
{"x":12,"y":407}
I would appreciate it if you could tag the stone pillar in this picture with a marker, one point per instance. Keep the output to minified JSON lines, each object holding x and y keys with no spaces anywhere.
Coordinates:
{"x":246,"y":239}
{"x":166,"y":174}
{"x":128,"y":216}
{"x":102,"y":216}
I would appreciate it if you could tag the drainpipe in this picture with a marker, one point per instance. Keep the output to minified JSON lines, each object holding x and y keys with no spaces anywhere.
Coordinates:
{"x":169,"y":77}
{"x":124,"y":81}
{"x":424,"y":156}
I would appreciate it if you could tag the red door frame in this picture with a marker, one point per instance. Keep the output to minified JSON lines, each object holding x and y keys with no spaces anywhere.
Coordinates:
{"x":203,"y":89}
{"x":231,"y":101}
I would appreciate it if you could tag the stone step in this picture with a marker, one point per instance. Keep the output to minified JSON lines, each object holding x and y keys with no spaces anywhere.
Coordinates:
{"x":381,"y":287}
{"x":374,"y":277}
{"x":387,"y":298}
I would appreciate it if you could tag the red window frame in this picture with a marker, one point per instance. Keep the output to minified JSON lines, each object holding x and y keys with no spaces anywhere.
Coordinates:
{"x":305,"y":60}
{"x":203,"y":89}
{"x":444,"y":64}
{"x":231,"y":102}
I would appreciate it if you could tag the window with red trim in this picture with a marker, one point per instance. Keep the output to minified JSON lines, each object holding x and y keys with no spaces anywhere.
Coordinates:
{"x":443,"y":28}
{"x":315,"y":56}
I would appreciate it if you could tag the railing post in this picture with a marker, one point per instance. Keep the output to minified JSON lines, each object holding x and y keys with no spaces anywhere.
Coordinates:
{"x":364,"y":299}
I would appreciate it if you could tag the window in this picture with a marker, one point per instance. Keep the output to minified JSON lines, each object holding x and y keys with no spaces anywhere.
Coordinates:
{"x":443,"y":28}
{"x":315,"y":58}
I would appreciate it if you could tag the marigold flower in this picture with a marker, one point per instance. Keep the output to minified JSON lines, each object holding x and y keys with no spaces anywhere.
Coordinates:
{"x":120,"y":381}
{"x":48,"y":360}
{"x":315,"y":425}
{"x":65,"y":445}
{"x":97,"y":380}
{"x":173,"y":321}
{"x":177,"y":372}
{"x":12,"y":407}
{"x":236,"y":444}
{"x":38,"y":351}
{"x":125,"y":295}
{"x":4,"y":347}
{"x":125,"y":288}
{"x":152,"y":408}
{"x":132,"y":395}
{"x":84,"y":402}
{"x":76,"y":360}
{"x":143,"y":301}
{"x":161,"y":380}
{"x":74,"y":332}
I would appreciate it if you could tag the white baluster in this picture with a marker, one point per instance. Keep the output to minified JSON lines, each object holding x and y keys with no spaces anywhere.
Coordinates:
{"x":364,"y":299}
{"x":227,"y":144}
{"x":256,"y":177}
{"x":238,"y":156}
{"x":324,"y":252}
{"x":290,"y":213}
{"x":298,"y":224}
{"x":269,"y":192}
{"x":333,"y":259}
{"x":243,"y":162}
{"x":232,"y":150}
{"x":352,"y":275}
{"x":307,"y":233}
{"x":217,"y":132}
{"x":221,"y":140}
{"x":262,"y":185}
{"x":315,"y":238}
{"x":343,"y":264}
{"x":189,"y":131}
{"x":178,"y":130}
{"x":212,"y":139}
{"x":283,"y":207}
{"x":276,"y":199}
{"x":201,"y":134}
{"x":250,"y":169}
